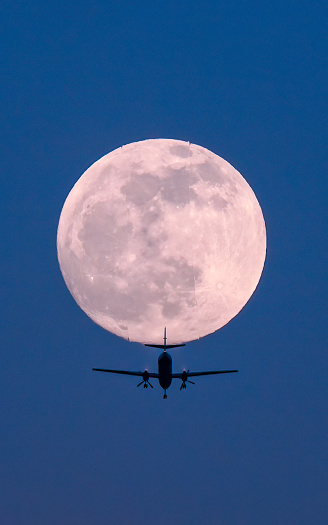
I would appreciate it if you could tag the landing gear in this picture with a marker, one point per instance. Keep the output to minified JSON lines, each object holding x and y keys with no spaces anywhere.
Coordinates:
{"x":165,"y":395}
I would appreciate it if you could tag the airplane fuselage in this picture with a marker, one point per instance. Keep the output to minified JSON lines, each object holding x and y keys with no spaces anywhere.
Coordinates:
{"x":165,"y":370}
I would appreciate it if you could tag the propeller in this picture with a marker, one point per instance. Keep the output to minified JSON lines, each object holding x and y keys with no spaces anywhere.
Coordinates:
{"x":145,"y":380}
{"x":185,"y":380}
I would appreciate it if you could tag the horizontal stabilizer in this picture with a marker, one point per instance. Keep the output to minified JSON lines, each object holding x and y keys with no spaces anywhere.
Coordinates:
{"x":165,"y":347}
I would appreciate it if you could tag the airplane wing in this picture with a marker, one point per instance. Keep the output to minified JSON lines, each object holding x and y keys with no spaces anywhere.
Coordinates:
{"x":194,"y":374}
{"x":139,"y":374}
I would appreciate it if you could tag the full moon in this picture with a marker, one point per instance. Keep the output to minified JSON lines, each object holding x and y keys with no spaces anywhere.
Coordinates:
{"x":161,"y":233}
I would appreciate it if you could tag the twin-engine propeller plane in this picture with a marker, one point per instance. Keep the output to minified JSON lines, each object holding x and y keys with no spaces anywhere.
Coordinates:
{"x":165,"y":375}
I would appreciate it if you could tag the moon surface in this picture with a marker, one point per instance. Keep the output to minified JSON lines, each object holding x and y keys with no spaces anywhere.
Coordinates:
{"x":161,"y":233}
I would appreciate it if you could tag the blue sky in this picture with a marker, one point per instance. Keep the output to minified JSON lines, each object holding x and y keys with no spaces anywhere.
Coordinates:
{"x":247,"y":80}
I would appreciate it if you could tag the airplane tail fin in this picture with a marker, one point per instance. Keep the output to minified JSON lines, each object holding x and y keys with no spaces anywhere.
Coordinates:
{"x":165,"y":346}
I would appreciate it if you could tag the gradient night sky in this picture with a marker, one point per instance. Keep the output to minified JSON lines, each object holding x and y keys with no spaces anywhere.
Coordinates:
{"x":247,"y":80}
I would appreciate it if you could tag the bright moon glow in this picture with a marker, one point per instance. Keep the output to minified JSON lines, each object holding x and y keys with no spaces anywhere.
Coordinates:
{"x":161,"y":233}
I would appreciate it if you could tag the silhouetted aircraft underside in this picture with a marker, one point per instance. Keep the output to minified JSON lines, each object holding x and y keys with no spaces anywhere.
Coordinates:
{"x":164,"y":374}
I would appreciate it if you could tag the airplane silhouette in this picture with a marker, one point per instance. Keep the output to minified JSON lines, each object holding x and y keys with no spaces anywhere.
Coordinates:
{"x":165,"y":375}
